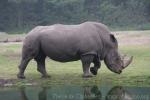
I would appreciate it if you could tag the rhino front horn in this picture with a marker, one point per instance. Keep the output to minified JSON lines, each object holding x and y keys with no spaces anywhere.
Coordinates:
{"x":127,"y":61}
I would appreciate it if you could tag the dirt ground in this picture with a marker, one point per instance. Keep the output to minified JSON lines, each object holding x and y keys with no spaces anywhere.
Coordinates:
{"x":133,"y":37}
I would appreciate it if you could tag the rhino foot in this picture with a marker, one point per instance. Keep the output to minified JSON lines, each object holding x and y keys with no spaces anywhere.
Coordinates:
{"x":93,"y":70}
{"x":87,"y":75}
{"x":19,"y":76}
{"x":46,"y":76}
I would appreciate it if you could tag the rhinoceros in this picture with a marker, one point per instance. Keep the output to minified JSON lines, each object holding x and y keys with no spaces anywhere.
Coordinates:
{"x":90,"y":42}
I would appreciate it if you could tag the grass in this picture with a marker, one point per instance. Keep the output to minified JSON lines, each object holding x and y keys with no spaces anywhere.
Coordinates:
{"x":137,"y":74}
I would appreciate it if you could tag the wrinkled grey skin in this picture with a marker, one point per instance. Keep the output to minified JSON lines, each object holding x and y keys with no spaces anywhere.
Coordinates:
{"x":89,"y":42}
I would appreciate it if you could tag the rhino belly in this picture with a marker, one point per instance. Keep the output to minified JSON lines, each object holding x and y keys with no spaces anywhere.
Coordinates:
{"x":63,"y":58}
{"x":59,"y":53}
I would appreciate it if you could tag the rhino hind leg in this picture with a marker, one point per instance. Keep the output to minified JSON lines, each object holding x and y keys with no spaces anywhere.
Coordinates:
{"x":22,"y":67}
{"x":40,"y":59}
{"x":28,"y":53}
{"x":86,"y":61}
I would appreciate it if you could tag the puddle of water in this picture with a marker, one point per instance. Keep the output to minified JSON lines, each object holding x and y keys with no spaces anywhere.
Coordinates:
{"x":75,"y":93}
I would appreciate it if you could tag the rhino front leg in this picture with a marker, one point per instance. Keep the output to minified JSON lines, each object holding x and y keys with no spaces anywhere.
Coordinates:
{"x":97,"y":65}
{"x":86,"y":61}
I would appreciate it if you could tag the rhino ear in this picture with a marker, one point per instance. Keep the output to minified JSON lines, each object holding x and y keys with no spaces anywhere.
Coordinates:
{"x":112,"y":37}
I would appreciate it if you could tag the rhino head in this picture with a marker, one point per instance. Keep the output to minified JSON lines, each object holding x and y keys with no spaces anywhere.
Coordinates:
{"x":115,"y":61}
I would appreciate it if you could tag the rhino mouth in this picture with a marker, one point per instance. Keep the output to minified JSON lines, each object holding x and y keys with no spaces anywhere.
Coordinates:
{"x":125,"y":61}
{"x":114,"y":70}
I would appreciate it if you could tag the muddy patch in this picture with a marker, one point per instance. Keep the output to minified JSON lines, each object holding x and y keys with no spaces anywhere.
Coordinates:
{"x":7,"y":82}
{"x":6,"y":38}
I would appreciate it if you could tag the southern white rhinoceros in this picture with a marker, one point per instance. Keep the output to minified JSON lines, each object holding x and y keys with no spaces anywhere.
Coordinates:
{"x":88,"y":42}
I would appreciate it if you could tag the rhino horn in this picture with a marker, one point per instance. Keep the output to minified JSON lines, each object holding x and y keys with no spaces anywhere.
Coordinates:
{"x":123,"y":56}
{"x":127,"y":61}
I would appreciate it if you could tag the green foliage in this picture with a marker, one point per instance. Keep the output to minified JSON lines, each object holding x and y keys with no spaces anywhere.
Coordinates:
{"x":22,"y":15}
